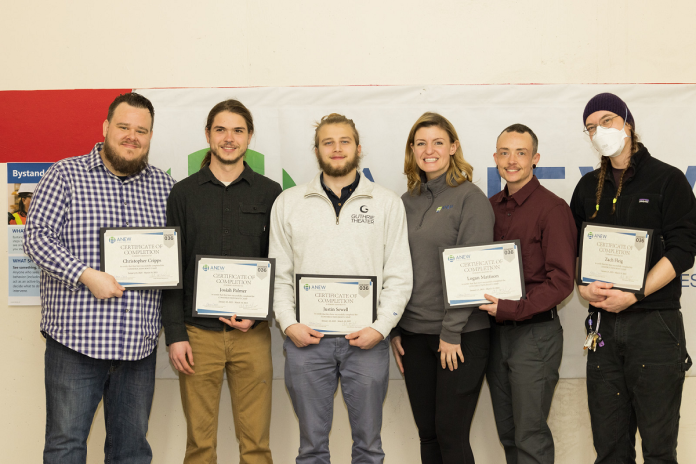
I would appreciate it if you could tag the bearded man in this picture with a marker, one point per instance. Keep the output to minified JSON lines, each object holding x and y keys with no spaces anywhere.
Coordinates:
{"x":223,"y":210}
{"x":100,"y":340}
{"x":339,"y":224}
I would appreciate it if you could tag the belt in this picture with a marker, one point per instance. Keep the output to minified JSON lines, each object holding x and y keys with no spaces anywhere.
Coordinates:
{"x":546,"y":316}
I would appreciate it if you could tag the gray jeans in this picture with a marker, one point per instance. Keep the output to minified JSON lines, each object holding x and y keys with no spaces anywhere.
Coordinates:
{"x":311,"y":376}
{"x":522,"y":375}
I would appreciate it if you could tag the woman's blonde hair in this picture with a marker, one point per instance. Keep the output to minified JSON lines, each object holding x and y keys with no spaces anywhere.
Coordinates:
{"x":458,"y":171}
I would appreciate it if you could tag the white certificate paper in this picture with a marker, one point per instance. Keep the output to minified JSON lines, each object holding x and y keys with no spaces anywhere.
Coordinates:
{"x":614,"y":255}
{"x":142,"y":258}
{"x":227,"y":286}
{"x":336,"y":305}
{"x":470,"y":272}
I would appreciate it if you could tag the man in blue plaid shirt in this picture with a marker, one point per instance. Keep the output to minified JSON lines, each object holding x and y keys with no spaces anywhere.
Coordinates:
{"x":100,"y":339}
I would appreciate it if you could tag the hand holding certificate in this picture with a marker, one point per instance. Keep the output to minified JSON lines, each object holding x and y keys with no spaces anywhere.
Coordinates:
{"x":336,"y":305}
{"x":227,"y":286}
{"x":616,"y":255}
{"x":142,"y":258}
{"x":470,"y":272}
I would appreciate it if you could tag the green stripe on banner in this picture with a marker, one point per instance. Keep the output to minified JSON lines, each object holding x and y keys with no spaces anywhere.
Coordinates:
{"x":287,"y":180}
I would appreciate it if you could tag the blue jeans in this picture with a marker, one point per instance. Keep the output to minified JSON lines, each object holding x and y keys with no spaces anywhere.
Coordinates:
{"x":311,"y":376}
{"x":75,"y":384}
{"x":634,"y":382}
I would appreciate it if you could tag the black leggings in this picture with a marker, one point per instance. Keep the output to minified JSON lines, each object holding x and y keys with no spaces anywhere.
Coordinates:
{"x":444,"y":401}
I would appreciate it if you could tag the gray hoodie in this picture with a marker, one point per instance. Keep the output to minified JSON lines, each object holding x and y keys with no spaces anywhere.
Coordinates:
{"x":443,"y":216}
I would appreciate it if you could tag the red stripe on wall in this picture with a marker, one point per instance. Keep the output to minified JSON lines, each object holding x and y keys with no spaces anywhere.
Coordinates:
{"x":49,"y":125}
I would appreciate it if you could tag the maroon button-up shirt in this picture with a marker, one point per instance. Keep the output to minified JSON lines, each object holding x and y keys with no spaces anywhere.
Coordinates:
{"x":544,"y":225}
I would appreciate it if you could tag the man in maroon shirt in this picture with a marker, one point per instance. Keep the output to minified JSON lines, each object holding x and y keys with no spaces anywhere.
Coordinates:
{"x":526,"y":335}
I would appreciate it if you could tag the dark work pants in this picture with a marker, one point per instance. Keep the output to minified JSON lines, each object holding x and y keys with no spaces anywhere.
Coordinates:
{"x":444,"y":401}
{"x":635,"y":381}
{"x":522,"y":375}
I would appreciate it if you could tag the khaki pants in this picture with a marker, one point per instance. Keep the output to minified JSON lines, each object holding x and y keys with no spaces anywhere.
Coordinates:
{"x":246,"y":357}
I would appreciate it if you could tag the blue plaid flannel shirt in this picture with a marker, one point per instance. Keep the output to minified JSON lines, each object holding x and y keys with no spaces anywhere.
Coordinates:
{"x":74,"y":199}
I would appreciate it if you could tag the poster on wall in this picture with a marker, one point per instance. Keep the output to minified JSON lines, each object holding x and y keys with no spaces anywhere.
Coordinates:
{"x":23,"y":274}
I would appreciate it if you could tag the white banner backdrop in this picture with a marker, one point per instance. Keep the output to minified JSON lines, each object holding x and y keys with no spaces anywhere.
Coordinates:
{"x":284,"y":134}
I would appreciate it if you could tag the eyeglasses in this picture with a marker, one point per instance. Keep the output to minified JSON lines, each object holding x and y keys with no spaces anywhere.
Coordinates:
{"x":605,"y":122}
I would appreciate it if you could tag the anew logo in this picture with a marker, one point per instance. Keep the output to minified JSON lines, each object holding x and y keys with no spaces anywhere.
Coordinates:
{"x":119,"y":239}
{"x":452,"y":258}
{"x":590,"y":236}
{"x":308,"y":287}
{"x":440,"y":208}
{"x":213,"y":268}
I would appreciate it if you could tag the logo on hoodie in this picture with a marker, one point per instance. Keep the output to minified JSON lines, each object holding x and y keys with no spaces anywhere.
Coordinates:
{"x":363,"y":218}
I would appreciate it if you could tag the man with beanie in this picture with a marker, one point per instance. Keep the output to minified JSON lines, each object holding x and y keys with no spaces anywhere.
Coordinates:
{"x":526,"y":334}
{"x":636,"y":375}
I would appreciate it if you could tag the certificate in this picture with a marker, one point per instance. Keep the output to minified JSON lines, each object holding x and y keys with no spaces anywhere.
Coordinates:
{"x":336,"y":305}
{"x":228,"y":285}
{"x":617,"y":255}
{"x":142,"y":257}
{"x":469,"y":272}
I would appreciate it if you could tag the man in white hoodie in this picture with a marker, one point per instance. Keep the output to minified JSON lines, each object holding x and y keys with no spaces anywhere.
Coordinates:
{"x":339,"y":224}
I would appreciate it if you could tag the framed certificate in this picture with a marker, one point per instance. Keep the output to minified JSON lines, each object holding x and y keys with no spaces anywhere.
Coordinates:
{"x":142,"y":258}
{"x":229,"y":285}
{"x":335,"y":305}
{"x":469,"y":272}
{"x":617,"y":255}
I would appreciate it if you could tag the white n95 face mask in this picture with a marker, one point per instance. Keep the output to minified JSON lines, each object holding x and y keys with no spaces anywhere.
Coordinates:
{"x":609,"y":141}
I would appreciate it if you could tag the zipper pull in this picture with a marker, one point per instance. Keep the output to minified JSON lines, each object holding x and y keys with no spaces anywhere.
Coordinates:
{"x":336,"y":220}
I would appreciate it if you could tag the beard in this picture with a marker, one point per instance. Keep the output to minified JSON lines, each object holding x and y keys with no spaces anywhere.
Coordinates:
{"x":227,"y":161}
{"x":329,"y":170}
{"x":124,"y":166}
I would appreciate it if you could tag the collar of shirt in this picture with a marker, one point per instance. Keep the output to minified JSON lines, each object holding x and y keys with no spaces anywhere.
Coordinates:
{"x":437,"y":185}
{"x":95,"y":160}
{"x":345,"y":191}
{"x":522,"y":194}
{"x":206,"y":175}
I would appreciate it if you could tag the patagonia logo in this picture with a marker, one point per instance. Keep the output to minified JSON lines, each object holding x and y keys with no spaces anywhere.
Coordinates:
{"x":440,"y":208}
{"x":643,"y":200}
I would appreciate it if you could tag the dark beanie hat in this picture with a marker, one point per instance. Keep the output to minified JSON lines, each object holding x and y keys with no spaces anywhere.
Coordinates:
{"x":608,"y":102}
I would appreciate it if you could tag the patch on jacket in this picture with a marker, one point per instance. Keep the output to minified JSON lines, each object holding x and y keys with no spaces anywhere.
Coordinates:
{"x":644,"y":200}
{"x":440,"y":208}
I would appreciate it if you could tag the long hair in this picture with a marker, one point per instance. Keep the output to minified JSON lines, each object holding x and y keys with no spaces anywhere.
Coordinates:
{"x":233,"y":106}
{"x":605,"y":166}
{"x":458,"y":172}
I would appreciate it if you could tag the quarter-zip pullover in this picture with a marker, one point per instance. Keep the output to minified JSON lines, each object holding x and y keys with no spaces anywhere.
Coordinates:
{"x":443,"y":216}
{"x":367,"y":237}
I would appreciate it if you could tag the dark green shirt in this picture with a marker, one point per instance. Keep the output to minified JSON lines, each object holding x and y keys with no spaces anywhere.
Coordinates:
{"x":214,"y":220}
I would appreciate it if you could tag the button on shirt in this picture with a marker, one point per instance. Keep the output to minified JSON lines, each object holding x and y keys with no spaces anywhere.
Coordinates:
{"x":74,"y":199}
{"x":215,"y":220}
{"x":545,"y":227}
{"x":346,"y":192}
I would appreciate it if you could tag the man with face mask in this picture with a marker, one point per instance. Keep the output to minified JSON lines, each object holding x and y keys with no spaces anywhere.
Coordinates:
{"x":100,"y":340}
{"x":636,"y":375}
